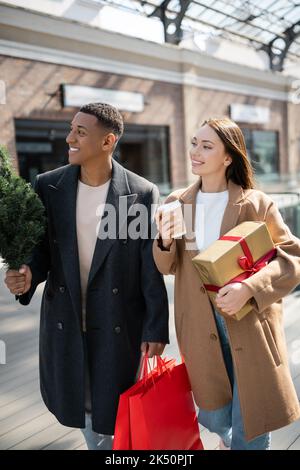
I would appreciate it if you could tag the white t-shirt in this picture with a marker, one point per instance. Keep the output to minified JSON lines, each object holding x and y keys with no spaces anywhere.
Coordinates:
{"x":89,"y":210}
{"x":210,"y":209}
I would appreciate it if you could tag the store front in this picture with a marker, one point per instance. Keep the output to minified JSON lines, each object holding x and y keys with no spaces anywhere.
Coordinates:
{"x":41,"y":146}
{"x":145,"y":151}
{"x":263,"y":150}
{"x":262,"y":142}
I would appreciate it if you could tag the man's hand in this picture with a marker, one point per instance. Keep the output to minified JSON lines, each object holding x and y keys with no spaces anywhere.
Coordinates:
{"x":153,"y":349}
{"x":19,"y":282}
{"x":231,"y":298}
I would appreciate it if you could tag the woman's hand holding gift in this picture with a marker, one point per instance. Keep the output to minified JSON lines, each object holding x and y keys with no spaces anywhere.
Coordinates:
{"x":232,"y":297}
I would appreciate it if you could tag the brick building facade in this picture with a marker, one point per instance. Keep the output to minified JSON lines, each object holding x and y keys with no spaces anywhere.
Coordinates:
{"x":180,"y":88}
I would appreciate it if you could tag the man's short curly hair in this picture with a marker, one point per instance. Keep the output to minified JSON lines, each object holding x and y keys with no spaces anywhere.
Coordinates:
{"x":108,"y":116}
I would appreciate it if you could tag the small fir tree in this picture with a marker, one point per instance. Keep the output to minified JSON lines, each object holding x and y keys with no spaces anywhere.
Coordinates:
{"x":22,"y":216}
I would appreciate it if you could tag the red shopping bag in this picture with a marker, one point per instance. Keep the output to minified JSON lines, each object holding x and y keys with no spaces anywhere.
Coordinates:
{"x":161,"y":411}
{"x":122,"y":435}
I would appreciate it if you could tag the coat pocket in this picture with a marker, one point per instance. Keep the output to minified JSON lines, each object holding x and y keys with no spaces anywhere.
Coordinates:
{"x":271,"y":342}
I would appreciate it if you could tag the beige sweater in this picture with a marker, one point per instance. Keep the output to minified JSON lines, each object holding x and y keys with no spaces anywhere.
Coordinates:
{"x":89,"y":210}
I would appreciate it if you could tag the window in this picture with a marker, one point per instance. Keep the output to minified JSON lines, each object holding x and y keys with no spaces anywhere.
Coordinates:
{"x":145,"y":151}
{"x":262,"y":148}
{"x":41,"y":146}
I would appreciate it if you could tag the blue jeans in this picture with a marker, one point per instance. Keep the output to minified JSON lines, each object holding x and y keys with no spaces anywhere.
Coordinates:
{"x":227,"y":422}
{"x":95,"y":441}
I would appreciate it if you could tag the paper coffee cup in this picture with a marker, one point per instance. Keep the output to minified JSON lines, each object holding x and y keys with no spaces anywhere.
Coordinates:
{"x":175,"y":208}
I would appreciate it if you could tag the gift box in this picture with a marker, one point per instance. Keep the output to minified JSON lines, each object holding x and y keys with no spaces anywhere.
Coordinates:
{"x":237,"y":255}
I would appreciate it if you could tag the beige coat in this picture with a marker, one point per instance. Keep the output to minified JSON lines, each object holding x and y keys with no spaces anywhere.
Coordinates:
{"x":267,"y":394}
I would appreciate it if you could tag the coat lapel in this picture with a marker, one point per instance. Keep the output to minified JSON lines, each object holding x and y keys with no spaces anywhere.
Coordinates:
{"x":63,"y":196}
{"x":233,"y":208}
{"x":118,"y":189}
{"x":230,"y":217}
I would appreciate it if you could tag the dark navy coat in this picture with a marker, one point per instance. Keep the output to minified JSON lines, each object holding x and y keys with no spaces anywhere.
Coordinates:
{"x":126,"y":301}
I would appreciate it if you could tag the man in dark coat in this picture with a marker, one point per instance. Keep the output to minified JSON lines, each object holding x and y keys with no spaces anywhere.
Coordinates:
{"x":104,"y":300}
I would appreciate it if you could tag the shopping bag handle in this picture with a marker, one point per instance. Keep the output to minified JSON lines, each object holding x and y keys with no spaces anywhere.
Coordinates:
{"x":161,"y":364}
{"x":146,"y":368}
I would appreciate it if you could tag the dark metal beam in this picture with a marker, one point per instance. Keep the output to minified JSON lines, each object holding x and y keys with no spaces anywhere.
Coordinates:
{"x":277,"y":58}
{"x":174,"y":16}
{"x":161,"y":12}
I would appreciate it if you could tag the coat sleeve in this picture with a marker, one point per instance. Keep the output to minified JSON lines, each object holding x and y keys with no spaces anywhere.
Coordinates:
{"x":39,"y":262}
{"x":165,"y":260}
{"x":282,"y":274}
{"x":156,"y":322}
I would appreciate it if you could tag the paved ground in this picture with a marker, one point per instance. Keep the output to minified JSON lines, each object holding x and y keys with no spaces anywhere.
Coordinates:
{"x":25,"y":422}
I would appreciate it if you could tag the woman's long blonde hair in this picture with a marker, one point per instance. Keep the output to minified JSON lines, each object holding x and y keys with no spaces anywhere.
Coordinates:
{"x":240,"y":170}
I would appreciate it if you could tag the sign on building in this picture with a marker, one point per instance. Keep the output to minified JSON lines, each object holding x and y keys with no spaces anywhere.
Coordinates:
{"x":77,"y":96}
{"x":250,"y":114}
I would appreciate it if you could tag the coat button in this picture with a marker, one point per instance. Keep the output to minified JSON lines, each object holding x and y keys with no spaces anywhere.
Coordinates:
{"x":115,"y":291}
{"x":60,"y":325}
{"x":55,"y":242}
{"x":202,"y":289}
{"x":62,"y":289}
{"x":117,"y":329}
{"x":124,"y":241}
{"x":213,"y":337}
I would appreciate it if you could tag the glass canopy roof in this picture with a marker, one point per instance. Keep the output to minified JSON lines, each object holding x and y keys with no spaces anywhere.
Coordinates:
{"x":269,"y":25}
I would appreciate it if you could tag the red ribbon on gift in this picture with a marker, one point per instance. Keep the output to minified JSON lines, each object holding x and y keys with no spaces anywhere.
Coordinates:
{"x":246,"y":262}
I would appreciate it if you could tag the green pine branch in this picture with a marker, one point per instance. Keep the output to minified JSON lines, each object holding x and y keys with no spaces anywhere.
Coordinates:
{"x":22,"y":216}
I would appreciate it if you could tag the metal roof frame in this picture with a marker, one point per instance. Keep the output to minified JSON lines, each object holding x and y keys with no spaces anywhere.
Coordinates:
{"x":269,"y":25}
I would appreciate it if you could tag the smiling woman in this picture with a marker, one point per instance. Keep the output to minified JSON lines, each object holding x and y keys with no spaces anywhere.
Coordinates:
{"x":226,"y":359}
{"x":208,"y":156}
{"x":217,"y":147}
